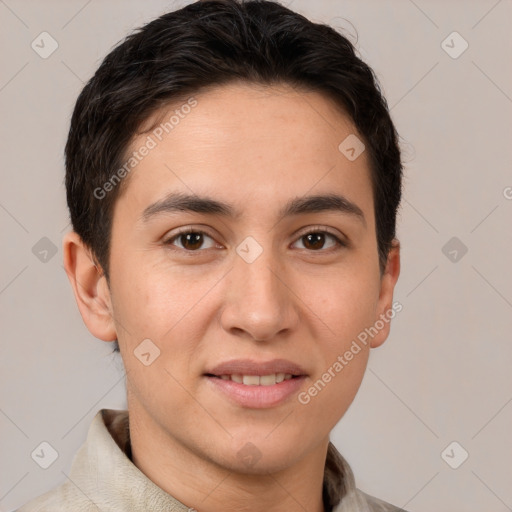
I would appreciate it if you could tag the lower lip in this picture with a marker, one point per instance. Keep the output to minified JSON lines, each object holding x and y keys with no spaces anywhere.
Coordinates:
{"x":257,"y":397}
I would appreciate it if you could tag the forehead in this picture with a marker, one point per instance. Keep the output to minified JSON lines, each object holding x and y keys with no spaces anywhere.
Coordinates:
{"x":245,"y":140}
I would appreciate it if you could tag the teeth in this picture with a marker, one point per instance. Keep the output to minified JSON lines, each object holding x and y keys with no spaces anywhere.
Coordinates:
{"x":251,"y":380}
{"x":256,"y":380}
{"x":267,"y":380}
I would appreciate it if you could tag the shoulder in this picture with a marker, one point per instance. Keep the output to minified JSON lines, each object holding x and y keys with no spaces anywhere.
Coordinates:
{"x":341,"y":486}
{"x":79,"y":493}
{"x":377,"y":505}
{"x":61,"y":499}
{"x":358,"y":501}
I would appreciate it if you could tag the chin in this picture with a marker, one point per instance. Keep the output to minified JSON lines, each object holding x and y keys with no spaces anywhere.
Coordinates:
{"x":260,"y":455}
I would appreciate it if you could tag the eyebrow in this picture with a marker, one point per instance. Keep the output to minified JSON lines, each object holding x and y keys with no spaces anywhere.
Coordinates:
{"x":180,"y":202}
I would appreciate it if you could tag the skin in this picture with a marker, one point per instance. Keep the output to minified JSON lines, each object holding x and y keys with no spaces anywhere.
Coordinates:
{"x":255,"y":148}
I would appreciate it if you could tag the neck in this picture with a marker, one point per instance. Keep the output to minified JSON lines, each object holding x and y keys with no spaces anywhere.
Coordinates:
{"x":206,"y":485}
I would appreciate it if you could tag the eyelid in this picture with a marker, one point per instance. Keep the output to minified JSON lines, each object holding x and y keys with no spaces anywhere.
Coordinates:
{"x":183,"y":231}
{"x":340,"y":238}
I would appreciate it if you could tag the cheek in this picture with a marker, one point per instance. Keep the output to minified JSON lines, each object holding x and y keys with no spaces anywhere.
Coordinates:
{"x":329,"y":393}
{"x":167,"y":310}
{"x":347,"y":307}
{"x":346,"y":304}
{"x":154,"y":301}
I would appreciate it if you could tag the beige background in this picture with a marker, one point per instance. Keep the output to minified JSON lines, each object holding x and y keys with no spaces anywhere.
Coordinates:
{"x":444,"y":373}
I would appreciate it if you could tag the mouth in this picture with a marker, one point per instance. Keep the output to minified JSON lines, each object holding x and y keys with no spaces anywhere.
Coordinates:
{"x":256,"y":380}
{"x":256,"y":385}
{"x":273,"y":371}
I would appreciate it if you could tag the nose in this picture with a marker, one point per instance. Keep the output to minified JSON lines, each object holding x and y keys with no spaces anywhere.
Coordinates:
{"x":259,"y":304}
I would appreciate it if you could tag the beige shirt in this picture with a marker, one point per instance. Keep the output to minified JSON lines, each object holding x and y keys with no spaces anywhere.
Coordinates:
{"x":104,"y":479}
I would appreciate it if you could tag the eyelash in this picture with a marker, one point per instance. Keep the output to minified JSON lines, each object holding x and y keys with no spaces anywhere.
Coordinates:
{"x":318,"y":229}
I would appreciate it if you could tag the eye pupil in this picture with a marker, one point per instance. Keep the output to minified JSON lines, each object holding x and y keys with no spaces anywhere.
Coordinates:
{"x":316,"y":240}
{"x":192,"y":240}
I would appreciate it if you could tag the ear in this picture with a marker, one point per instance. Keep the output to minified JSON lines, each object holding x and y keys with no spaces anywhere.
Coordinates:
{"x":385,"y":309}
{"x":90,"y":286}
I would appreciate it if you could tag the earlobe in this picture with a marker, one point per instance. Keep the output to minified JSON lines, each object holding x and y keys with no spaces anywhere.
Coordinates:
{"x":385,"y":309}
{"x":90,"y":287}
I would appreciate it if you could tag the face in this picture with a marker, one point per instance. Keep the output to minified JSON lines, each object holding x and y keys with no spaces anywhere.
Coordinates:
{"x":265,"y":281}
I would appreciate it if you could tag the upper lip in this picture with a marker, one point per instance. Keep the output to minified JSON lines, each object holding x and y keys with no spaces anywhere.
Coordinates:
{"x":252,"y":367}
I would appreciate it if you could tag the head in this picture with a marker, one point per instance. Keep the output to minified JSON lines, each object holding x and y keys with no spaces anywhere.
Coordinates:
{"x":265,"y":138}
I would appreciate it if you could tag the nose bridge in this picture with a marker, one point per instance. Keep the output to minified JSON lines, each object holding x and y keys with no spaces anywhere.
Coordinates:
{"x":258,"y":301}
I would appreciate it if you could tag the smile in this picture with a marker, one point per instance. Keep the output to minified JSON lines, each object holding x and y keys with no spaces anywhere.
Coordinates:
{"x":256,"y":391}
{"x":257,"y":380}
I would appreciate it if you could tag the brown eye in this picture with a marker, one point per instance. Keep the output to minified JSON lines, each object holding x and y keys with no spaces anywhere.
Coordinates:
{"x":318,"y":240}
{"x":314,"y":241}
{"x":190,"y":240}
